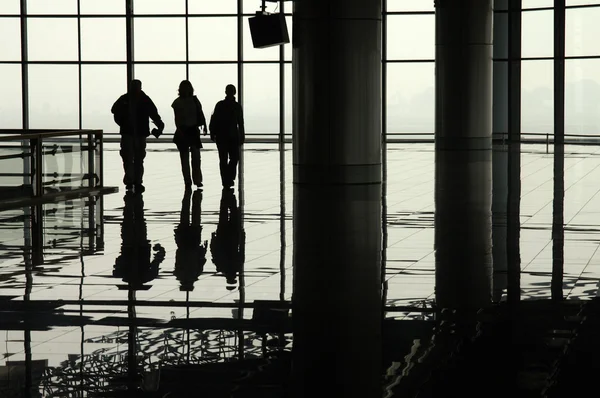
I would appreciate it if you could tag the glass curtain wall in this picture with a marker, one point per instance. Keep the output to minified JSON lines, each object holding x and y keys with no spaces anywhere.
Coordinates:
{"x":66,"y":62}
{"x":63,"y":63}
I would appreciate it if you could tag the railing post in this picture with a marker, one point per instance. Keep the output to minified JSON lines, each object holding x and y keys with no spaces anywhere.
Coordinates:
{"x":91,"y":155}
{"x":547,"y":143}
{"x":35,"y":145}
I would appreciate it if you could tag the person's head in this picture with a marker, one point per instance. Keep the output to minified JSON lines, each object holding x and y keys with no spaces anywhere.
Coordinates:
{"x":186,"y":89}
{"x":135,"y":86}
{"x":230,"y":90}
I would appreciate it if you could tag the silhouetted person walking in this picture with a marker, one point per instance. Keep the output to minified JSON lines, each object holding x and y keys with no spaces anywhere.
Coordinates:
{"x":134,"y":265}
{"x":227,"y":130}
{"x":190,"y":256}
{"x":189,"y":119}
{"x":132,"y":112}
{"x":227,"y":242}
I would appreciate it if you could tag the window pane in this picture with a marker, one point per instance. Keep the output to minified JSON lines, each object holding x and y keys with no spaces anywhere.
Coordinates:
{"x":257,"y":54}
{"x":159,"y":39}
{"x":209,"y":83}
{"x":581,"y":2}
{"x":537,"y":3}
{"x":213,"y":39}
{"x":538,"y":34}
{"x":102,"y":7}
{"x":52,"y":7}
{"x":410,"y":98}
{"x":161,"y":82}
{"x":159,"y":7}
{"x":411,"y":37}
{"x":537,"y":91}
{"x":103,"y":39}
{"x":101,"y":85}
{"x":410,"y":5}
{"x":53,"y":102}
{"x":261,"y":98}
{"x":10,"y":7}
{"x":10,"y":101}
{"x":212,"y":7}
{"x":52,"y":39}
{"x":10,"y":50}
{"x":582,"y":96}
{"x":582,"y":31}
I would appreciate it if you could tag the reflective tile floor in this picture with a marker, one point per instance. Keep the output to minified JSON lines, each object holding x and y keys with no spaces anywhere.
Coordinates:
{"x":256,"y":239}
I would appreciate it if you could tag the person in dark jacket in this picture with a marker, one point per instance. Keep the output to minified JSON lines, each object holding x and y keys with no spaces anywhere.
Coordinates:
{"x":132,"y":112}
{"x":189,"y":119}
{"x":227,"y":130}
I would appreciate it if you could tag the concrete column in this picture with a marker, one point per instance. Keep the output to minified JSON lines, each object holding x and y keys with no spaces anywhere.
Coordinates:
{"x":336,"y":74}
{"x":463,"y":153}
{"x":500,"y":149}
{"x":337,"y":198}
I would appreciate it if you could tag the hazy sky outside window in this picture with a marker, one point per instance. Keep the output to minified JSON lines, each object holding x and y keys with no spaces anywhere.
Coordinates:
{"x":160,"y":45}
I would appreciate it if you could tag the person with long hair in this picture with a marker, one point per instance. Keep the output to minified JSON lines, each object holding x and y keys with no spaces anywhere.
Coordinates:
{"x":189,"y":122}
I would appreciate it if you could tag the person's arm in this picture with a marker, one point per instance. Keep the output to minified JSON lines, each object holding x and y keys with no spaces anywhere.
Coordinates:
{"x":153,"y":113}
{"x":213,"y":122}
{"x":240,"y":122}
{"x":201,"y":117}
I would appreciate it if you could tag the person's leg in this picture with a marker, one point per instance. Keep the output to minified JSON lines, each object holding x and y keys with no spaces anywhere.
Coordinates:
{"x":234,"y":158}
{"x":127,"y":154}
{"x":138,"y":161}
{"x":196,"y":170}
{"x":223,"y":167}
{"x":185,"y":164}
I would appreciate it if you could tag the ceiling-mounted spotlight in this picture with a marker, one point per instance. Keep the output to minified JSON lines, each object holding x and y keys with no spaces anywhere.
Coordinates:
{"x":268,"y":30}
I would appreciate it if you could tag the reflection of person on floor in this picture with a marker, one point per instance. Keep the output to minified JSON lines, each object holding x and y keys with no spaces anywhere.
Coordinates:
{"x":132,"y":112}
{"x":227,"y":242}
{"x":190,"y":256}
{"x":133,"y":264}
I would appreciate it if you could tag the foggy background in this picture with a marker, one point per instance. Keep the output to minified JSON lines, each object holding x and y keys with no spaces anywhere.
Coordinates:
{"x":160,"y":42}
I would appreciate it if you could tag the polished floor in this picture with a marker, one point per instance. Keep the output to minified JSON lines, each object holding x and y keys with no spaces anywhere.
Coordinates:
{"x":91,"y":279}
